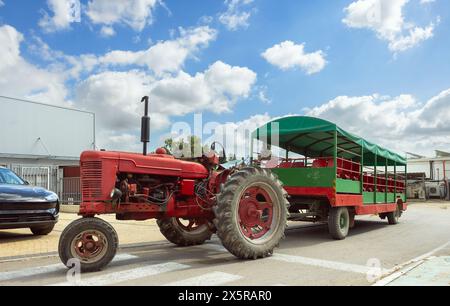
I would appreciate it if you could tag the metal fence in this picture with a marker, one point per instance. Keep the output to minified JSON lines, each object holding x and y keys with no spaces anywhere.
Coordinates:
{"x":40,"y":176}
{"x":51,"y":178}
{"x":70,"y":192}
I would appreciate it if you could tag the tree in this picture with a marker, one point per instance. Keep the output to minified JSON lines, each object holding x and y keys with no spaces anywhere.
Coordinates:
{"x":189,"y":148}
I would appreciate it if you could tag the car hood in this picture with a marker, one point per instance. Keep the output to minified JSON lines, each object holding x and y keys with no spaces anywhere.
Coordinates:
{"x":24,"y":193}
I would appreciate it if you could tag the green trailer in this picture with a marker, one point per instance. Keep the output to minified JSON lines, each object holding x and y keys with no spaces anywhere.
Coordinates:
{"x":332,"y":175}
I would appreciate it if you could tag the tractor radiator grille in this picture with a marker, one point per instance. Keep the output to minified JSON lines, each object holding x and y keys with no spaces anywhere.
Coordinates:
{"x":91,"y":180}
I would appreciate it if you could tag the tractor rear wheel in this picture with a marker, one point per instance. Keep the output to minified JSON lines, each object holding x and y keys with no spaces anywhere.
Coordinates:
{"x":251,"y":213}
{"x":92,"y":241}
{"x":185,"y":232}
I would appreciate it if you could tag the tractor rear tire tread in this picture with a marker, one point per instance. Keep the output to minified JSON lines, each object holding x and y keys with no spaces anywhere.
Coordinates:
{"x":227,"y":229}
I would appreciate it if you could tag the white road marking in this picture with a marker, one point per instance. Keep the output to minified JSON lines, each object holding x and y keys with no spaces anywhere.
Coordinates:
{"x":127,"y":275}
{"x":404,"y":268}
{"x":334,"y":265}
{"x":214,"y":247}
{"x":28,"y":272}
{"x":209,"y":279}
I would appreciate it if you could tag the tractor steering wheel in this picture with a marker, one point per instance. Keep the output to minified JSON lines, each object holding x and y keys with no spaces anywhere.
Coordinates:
{"x":224,"y":155}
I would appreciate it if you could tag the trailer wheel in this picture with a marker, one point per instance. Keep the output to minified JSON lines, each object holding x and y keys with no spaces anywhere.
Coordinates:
{"x":184,"y":232}
{"x":251,"y":213}
{"x":92,"y":241}
{"x":339,"y":222}
{"x":393,"y":217}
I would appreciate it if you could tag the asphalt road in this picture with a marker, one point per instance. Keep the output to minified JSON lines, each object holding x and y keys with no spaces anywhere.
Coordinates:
{"x":374,"y":253}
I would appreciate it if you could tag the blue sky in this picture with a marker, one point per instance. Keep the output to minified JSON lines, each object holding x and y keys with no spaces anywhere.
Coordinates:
{"x":385,"y":78}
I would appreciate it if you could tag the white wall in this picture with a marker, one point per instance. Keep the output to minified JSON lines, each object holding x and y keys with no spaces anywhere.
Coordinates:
{"x":424,"y":166}
{"x":28,"y":128}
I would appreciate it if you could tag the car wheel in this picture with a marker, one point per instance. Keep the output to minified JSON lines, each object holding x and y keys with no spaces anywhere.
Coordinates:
{"x":42,"y":230}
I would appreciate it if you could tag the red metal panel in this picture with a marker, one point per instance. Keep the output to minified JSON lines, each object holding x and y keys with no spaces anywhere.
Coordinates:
{"x":324,"y":192}
{"x":378,"y":208}
{"x":161,"y":165}
{"x":348,"y":200}
{"x":187,"y":187}
{"x":71,"y":171}
{"x":374,"y":209}
{"x":97,"y":208}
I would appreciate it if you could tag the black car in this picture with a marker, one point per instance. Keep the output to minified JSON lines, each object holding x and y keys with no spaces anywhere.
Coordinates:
{"x":25,"y":206}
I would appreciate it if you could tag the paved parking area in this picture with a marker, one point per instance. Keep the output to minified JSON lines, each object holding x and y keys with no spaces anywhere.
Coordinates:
{"x":21,"y":242}
{"x":416,"y":251}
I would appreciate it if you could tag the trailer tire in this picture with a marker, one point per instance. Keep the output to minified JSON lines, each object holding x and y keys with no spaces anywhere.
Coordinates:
{"x":394,"y":216}
{"x":88,"y":233}
{"x":339,"y":222}
{"x":184,"y":236}
{"x":251,"y":199}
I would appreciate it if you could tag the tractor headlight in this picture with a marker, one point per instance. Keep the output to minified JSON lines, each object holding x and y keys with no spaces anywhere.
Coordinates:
{"x":115,"y":194}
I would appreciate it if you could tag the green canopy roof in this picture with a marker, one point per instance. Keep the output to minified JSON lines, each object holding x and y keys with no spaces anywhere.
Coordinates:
{"x":314,"y":137}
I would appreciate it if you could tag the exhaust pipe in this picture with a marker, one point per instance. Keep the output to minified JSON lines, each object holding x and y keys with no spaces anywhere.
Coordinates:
{"x":145,"y":126}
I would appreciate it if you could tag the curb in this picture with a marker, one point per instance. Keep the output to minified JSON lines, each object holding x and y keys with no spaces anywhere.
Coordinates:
{"x":69,"y":209}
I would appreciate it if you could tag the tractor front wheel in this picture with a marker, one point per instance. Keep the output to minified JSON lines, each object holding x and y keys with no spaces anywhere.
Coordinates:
{"x":185,"y":232}
{"x":251,"y":213}
{"x":92,"y":241}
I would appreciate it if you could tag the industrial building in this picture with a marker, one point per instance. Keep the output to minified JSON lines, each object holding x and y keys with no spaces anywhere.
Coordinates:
{"x":429,"y":176}
{"x":42,"y":143}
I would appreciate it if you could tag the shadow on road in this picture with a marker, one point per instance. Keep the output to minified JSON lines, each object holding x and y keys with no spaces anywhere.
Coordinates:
{"x":10,"y":236}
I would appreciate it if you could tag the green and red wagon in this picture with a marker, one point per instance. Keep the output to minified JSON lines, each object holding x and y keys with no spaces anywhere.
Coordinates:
{"x":332,"y":175}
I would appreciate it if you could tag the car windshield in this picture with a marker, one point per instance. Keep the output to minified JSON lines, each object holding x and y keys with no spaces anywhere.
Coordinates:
{"x":10,"y":178}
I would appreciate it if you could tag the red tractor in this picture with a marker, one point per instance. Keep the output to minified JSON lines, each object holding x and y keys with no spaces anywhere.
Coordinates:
{"x":247,"y":208}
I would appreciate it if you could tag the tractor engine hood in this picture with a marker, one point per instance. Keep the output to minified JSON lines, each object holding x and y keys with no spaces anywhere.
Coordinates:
{"x":153,"y":164}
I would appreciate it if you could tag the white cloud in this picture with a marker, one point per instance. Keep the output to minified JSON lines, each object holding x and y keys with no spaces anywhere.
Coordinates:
{"x":135,"y":13}
{"x":165,"y":56}
{"x":236,"y":136}
{"x":1,"y":3}
{"x":400,"y":123}
{"x":115,"y":96}
{"x":234,"y":17}
{"x":415,"y":37}
{"x":21,"y":79}
{"x":385,"y":18}
{"x":427,"y":1}
{"x":64,"y":13}
{"x":288,"y":55}
{"x":216,"y":90}
{"x":262,"y":95}
{"x":107,"y":31}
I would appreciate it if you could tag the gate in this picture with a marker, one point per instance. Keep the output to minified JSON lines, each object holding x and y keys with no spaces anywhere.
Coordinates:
{"x":39,"y":176}
{"x":51,"y":178}
{"x":70,"y":191}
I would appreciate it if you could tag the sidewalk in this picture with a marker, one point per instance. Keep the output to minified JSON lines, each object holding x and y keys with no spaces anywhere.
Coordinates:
{"x":22,"y":243}
{"x":434,"y":271}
